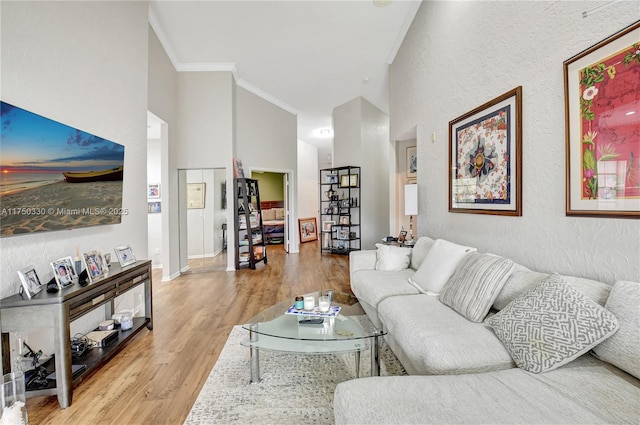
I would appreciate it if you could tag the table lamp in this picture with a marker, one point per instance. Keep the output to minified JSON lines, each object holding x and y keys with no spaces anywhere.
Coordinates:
{"x":411,"y":205}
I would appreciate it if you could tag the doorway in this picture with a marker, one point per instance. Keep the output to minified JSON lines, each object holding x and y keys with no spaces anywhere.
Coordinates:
{"x":202,"y":197}
{"x":275,"y":195}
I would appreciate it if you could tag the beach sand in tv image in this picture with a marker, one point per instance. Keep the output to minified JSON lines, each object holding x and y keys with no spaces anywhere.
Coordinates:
{"x":55,"y":177}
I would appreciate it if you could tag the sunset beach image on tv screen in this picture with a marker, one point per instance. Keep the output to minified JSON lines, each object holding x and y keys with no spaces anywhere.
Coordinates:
{"x":55,"y":177}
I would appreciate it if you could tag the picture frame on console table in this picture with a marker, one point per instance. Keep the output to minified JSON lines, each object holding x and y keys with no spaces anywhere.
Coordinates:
{"x":125,"y":255}
{"x":94,"y":265}
{"x":29,"y":281}
{"x":602,"y":121}
{"x":485,"y":158}
{"x":63,"y":272}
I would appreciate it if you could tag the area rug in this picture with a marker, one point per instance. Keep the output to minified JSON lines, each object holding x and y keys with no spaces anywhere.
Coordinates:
{"x":294,"y":389}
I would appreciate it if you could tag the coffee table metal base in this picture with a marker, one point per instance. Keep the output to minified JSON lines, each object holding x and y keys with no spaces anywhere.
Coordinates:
{"x":257,"y":342}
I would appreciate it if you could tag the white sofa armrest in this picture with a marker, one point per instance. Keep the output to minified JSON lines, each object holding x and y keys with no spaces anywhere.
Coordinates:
{"x":362,"y":260}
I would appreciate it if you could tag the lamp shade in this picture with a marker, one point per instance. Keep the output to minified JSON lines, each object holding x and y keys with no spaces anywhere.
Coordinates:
{"x":410,"y":199}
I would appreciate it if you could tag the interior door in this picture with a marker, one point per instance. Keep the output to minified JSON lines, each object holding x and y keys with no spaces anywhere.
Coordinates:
{"x":285,"y":185}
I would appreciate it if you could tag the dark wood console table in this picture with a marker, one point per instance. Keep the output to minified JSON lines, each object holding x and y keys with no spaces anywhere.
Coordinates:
{"x":56,"y":311}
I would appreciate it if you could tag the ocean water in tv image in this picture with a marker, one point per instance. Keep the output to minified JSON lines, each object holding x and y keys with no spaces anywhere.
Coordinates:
{"x":55,"y":177}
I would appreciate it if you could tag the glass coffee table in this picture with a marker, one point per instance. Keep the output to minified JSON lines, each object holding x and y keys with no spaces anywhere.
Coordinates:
{"x":348,"y":331}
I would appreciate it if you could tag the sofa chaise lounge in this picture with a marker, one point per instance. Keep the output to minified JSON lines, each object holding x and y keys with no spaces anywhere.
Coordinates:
{"x":485,"y":340}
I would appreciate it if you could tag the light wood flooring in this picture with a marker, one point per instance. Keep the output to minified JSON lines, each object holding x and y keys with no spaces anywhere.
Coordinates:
{"x":157,"y":377}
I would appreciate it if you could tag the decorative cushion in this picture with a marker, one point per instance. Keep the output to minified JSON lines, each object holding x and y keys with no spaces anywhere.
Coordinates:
{"x":392,"y":258}
{"x":475,"y":284}
{"x":521,"y":280}
{"x":420,"y":251}
{"x":279,"y":213}
{"x":268,"y":215}
{"x":623,"y":348}
{"x":596,"y":290}
{"x":438,"y":266}
{"x":551,"y":325}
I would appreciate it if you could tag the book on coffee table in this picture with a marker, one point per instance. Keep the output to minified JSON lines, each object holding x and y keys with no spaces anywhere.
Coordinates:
{"x":333,"y":311}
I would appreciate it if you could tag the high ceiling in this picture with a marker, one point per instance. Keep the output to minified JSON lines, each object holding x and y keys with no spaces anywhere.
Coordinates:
{"x":305,"y":56}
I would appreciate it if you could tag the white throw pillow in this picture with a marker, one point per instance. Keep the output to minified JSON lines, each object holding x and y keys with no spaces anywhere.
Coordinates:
{"x":420,"y":251}
{"x":623,"y":348}
{"x":392,"y":258}
{"x":438,"y":266}
{"x":551,"y":325}
{"x":475,"y":284}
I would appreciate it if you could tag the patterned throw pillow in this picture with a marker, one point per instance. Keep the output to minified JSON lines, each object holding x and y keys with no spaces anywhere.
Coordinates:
{"x":475,"y":285}
{"x":551,"y":325}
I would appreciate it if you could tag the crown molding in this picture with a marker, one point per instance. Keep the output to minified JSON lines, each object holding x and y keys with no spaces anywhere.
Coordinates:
{"x":266,"y":96}
{"x":408,"y":20}
{"x":212,"y":67}
{"x":157,"y":28}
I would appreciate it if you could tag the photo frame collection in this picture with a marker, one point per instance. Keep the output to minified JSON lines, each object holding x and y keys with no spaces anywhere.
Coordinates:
{"x":602,"y":146}
{"x":66,"y":274}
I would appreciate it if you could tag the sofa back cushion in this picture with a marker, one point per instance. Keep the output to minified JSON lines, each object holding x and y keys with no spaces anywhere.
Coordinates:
{"x":551,"y":325}
{"x":420,"y":251}
{"x":623,"y":348}
{"x":438,"y":266}
{"x":522,"y":279}
{"x":269,"y":214}
{"x":279,"y":213}
{"x":475,"y":284}
{"x":392,"y":258}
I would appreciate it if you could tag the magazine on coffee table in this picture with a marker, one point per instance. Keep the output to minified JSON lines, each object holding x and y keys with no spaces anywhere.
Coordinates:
{"x":333,"y":311}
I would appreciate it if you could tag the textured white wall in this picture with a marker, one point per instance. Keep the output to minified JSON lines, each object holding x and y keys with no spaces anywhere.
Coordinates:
{"x":361,"y":138}
{"x":163,"y":95}
{"x":47,"y":68}
{"x":459,"y":55}
{"x":83,"y":64}
{"x":308,"y":190}
{"x":266,"y":139}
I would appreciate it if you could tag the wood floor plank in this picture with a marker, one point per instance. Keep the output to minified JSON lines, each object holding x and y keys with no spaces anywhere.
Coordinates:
{"x":156,"y":378}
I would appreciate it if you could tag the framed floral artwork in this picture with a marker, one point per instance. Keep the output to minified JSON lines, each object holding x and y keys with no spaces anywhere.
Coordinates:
{"x":485,"y":157}
{"x":602,"y":111}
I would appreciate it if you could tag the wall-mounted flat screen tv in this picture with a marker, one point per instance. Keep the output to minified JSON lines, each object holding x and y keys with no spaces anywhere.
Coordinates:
{"x":55,"y":177}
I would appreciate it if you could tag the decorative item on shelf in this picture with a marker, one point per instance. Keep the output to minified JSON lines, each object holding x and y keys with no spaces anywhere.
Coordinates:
{"x":330,"y":194}
{"x":238,"y":171}
{"x":327,"y":224}
{"x":601,"y":119}
{"x":344,"y":220}
{"x":410,"y":205}
{"x":332,"y":178}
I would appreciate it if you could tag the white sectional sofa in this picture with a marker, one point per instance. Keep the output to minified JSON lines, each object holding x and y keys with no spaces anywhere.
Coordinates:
{"x":488,"y":341}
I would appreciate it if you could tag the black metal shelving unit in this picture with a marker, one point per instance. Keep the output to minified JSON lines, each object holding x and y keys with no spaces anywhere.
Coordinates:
{"x":249,"y":246}
{"x":340,"y":209}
